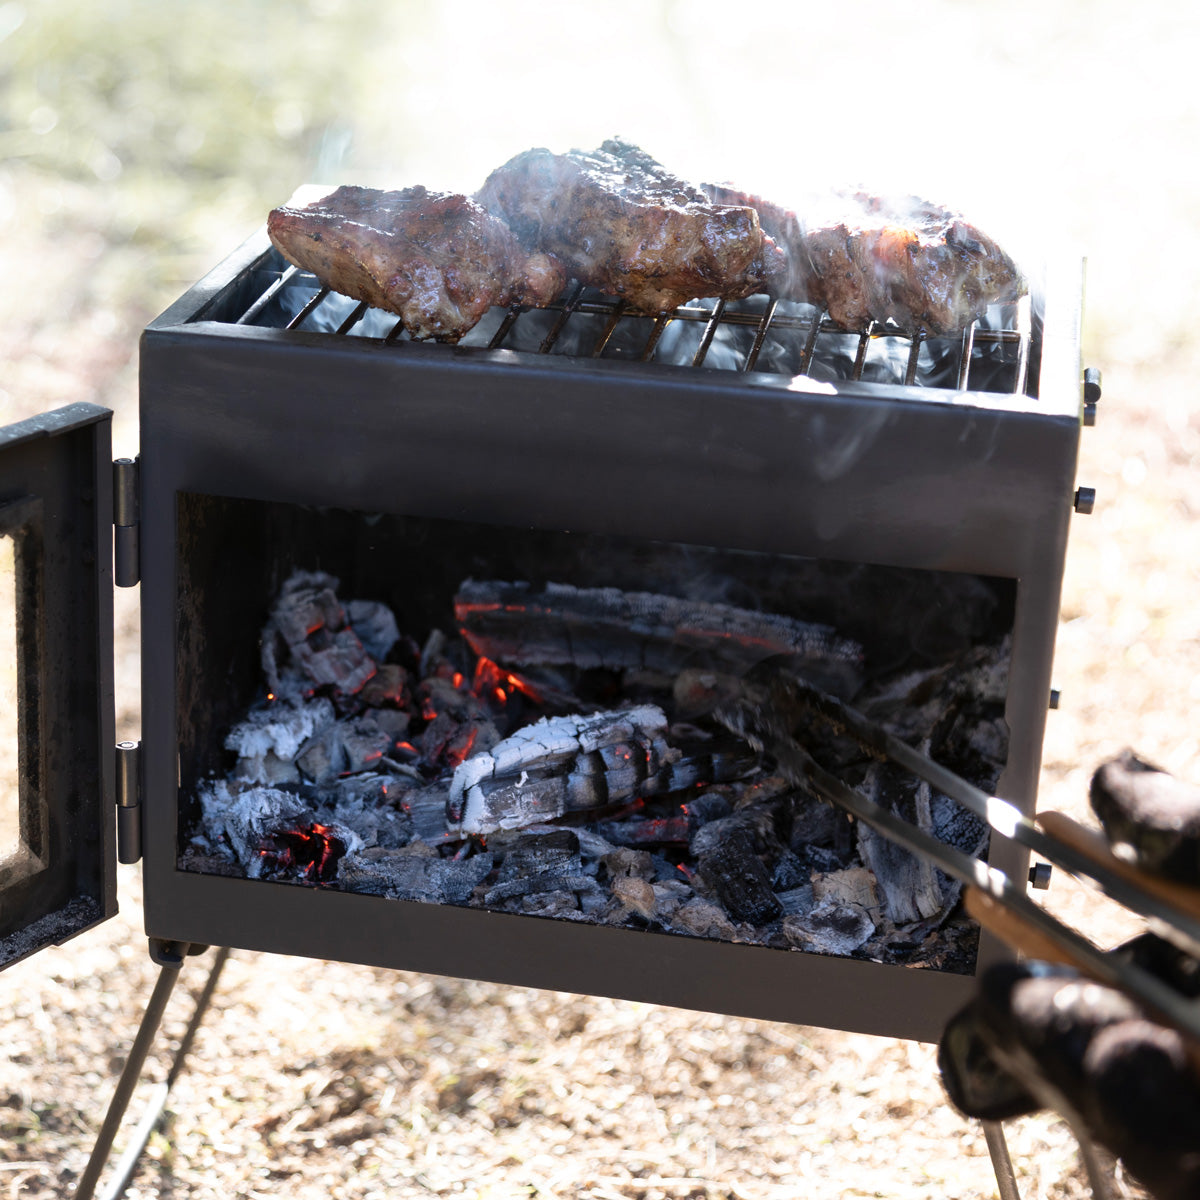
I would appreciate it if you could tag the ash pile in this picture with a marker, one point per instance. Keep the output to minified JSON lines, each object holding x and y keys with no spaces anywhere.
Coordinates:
{"x":562,"y":753}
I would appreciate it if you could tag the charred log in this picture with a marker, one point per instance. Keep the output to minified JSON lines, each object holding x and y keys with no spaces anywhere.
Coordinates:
{"x":605,"y":627}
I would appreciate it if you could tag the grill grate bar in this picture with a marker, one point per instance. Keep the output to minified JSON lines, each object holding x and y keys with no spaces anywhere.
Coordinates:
{"x":271,"y":292}
{"x":307,"y":310}
{"x":964,"y":361}
{"x":564,"y":315}
{"x":510,"y":319}
{"x":709,"y":331}
{"x":609,"y":329}
{"x":914,"y":355}
{"x":860,"y":357}
{"x":353,"y":319}
{"x":393,"y":334}
{"x":810,"y":344}
{"x":660,"y":323}
{"x":760,"y":335}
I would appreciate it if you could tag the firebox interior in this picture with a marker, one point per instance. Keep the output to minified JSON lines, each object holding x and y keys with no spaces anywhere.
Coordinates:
{"x":905,"y":619}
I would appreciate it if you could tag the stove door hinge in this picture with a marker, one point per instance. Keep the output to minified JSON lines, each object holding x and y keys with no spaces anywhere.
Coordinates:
{"x":126,"y":516}
{"x":129,"y":802}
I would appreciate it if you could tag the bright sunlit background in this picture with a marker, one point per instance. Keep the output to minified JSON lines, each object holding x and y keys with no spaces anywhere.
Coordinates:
{"x":142,"y":140}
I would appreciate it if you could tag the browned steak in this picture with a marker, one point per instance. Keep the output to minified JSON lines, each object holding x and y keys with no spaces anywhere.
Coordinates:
{"x":622,"y":223}
{"x":867,"y":258}
{"x":436,"y":259}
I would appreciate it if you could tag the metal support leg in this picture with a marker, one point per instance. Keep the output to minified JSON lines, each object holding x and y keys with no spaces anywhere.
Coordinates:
{"x":170,"y":956}
{"x":1006,"y":1179}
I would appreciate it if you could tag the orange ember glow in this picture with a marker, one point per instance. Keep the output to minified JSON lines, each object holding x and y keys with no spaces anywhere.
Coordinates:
{"x":270,"y":695}
{"x":457,"y":679}
{"x":459,"y":754}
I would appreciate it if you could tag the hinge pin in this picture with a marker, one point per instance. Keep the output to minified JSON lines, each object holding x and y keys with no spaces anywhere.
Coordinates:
{"x":129,"y":801}
{"x":126,"y":518}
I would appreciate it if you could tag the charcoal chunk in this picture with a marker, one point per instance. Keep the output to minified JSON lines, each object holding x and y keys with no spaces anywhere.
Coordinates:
{"x":739,"y":879}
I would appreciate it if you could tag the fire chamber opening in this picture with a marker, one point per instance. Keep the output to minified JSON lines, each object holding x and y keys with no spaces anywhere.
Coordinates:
{"x":553,"y":724}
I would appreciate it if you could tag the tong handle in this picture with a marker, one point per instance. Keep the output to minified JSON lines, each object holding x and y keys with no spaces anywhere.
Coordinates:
{"x":1093,"y":845}
{"x":1015,"y":931}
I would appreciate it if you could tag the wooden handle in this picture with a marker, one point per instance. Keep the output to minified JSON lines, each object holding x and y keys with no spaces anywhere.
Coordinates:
{"x":1093,"y":845}
{"x":1016,"y":931}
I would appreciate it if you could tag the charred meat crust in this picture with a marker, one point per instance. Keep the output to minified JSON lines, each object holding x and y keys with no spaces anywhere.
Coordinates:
{"x":438,"y":260}
{"x":621,"y":222}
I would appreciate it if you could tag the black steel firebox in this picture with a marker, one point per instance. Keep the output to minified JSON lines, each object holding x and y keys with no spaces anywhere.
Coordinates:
{"x":284,"y":427}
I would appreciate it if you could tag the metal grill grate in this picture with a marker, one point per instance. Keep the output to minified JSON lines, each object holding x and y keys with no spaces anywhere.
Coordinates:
{"x":757,"y":334}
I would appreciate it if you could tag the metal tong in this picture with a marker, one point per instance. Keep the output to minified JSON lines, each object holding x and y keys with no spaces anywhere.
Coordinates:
{"x":767,"y":712}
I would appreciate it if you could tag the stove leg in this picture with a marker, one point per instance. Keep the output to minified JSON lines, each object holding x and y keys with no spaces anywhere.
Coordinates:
{"x":170,"y":956}
{"x":1006,"y":1178}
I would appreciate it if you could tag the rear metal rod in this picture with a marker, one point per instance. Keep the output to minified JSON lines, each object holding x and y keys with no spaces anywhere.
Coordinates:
{"x":709,"y":331}
{"x":510,"y":319}
{"x":609,"y":329}
{"x":660,"y":323}
{"x":964,"y":361}
{"x":563,"y":317}
{"x":353,"y":319}
{"x":760,"y":335}
{"x":914,"y":356}
{"x":307,"y":310}
{"x":810,"y":343}
{"x":860,"y":357}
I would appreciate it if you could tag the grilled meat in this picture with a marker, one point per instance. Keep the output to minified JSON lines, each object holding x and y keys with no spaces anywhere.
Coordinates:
{"x":436,"y":259}
{"x":622,"y":223}
{"x":868,"y":258}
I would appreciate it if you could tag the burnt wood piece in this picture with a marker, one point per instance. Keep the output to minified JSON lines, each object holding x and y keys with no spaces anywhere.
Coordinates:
{"x":1149,"y":816}
{"x":737,"y":875}
{"x":559,"y":765}
{"x":414,"y":874}
{"x":562,"y":625}
{"x":622,"y":223}
{"x":437,"y":260}
{"x":307,"y":642}
{"x":1038,"y":1036}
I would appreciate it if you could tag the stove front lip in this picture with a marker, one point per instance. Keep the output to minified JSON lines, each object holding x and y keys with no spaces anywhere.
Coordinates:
{"x":864,"y":477}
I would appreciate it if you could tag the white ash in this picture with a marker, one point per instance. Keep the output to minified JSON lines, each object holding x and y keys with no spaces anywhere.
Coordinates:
{"x":277,"y":730}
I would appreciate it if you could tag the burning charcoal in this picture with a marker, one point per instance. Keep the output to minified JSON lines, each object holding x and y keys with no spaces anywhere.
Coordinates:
{"x":305,"y":849}
{"x":700,"y":918}
{"x":375,"y":626}
{"x":244,"y":817}
{"x":606,"y":627}
{"x":388,"y":686}
{"x":758,"y":821}
{"x":363,"y":802}
{"x":648,"y":831}
{"x":266,"y":742}
{"x":426,"y":808}
{"x":345,"y":747}
{"x":788,"y":872}
{"x":708,"y":806}
{"x":739,"y":879}
{"x":544,"y":862}
{"x":311,"y":624}
{"x":818,"y":823}
{"x":560,"y":764}
{"x":414,"y":873}
{"x":833,"y":927}
{"x":1150,"y":817}
{"x":796,"y":901}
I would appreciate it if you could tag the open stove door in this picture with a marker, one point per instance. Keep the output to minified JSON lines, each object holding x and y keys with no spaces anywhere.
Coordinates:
{"x":57,"y":774}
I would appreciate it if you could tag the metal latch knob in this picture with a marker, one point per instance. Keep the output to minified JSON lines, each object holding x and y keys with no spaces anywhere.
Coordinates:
{"x":1039,"y":875}
{"x":1091,"y":394}
{"x":1085,"y":500}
